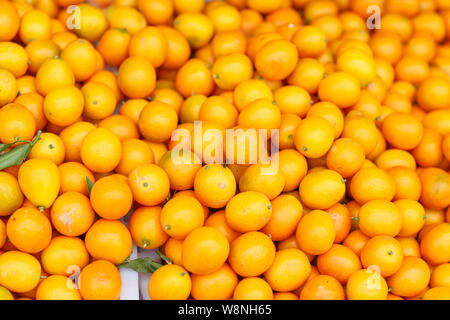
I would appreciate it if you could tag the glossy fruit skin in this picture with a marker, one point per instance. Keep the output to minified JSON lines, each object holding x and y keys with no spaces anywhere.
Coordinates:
{"x":407,"y":183}
{"x":11,"y":20}
{"x":132,"y":108}
{"x":218,"y":109}
{"x":260,"y":114}
{"x":228,"y":42}
{"x":440,"y":276}
{"x":50,"y":147}
{"x":80,"y":53}
{"x":63,"y":106}
{"x":378,"y":217}
{"x":384,"y":252}
{"x":157,"y":121}
{"x":292,"y":99}
{"x":437,"y":293}
{"x":277,"y":55}
{"x":145,"y":228}
{"x":178,"y":48}
{"x":329,"y":112}
{"x":101,"y":150}
{"x":119,"y":39}
{"x":11,"y":195}
{"x":73,"y":177}
{"x":372,"y":184}
{"x":286,"y":213}
{"x":72,"y":137}
{"x":109,"y":240}
{"x":196,"y":27}
{"x":434,"y":245}
{"x":36,"y":25}
{"x":340,"y":88}
{"x":190,"y":108}
{"x":413,"y":216}
{"x":5,"y":294}
{"x":63,"y":218}
{"x":288,"y":271}
{"x":20,"y":271}
{"x":149,"y":184}
{"x":342,"y":221}
{"x":93,"y":22}
{"x":8,"y":84}
{"x":411,"y":279}
{"x":56,"y":287}
{"x":100,"y":280}
{"x":322,"y":190}
{"x":121,"y":126}
{"x":149,"y":43}
{"x":339,"y":262}
{"x":249,"y":91}
{"x":181,"y":168}
{"x":128,"y":18}
{"x":62,"y":254}
{"x":40,"y":182}
{"x":316,"y":232}
{"x":225,"y":18}
{"x":363,"y":130}
{"x":111,"y":197}
{"x":180,"y":216}
{"x":392,"y":158}
{"x":314,"y":137}
{"x":247,"y":206}
{"x":358,"y":63}
{"x":218,"y":285}
{"x":54,"y":74}
{"x":212,"y":180}
{"x":322,"y":287}
{"x":285,"y":296}
{"x":311,"y":42}
{"x":253,"y":288}
{"x":194,"y":77}
{"x":366,"y":284}
{"x":351,"y":151}
{"x":436,"y":87}
{"x":229,"y":70}
{"x":259,"y":250}
{"x":435,"y":188}
{"x":293,"y":166}
{"x":13,"y":58}
{"x":410,"y":246}
{"x":136,"y":77}
{"x":100,"y":100}
{"x":356,"y":241}
{"x":16,"y":122}
{"x":178,"y":288}
{"x":173,"y":250}
{"x":437,"y":120}
{"x":204,"y":244}
{"x":108,"y":78}
{"x":402,"y":130}
{"x":29,"y":230}
{"x":357,"y":204}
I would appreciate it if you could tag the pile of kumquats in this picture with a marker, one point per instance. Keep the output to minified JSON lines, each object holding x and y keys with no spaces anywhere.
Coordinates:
{"x":264,"y":149}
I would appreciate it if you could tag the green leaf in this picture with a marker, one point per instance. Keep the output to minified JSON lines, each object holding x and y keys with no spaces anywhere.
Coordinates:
{"x":3,"y":147}
{"x":17,"y":155}
{"x":141,"y":265}
{"x":163,"y":257}
{"x":89,"y":184}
